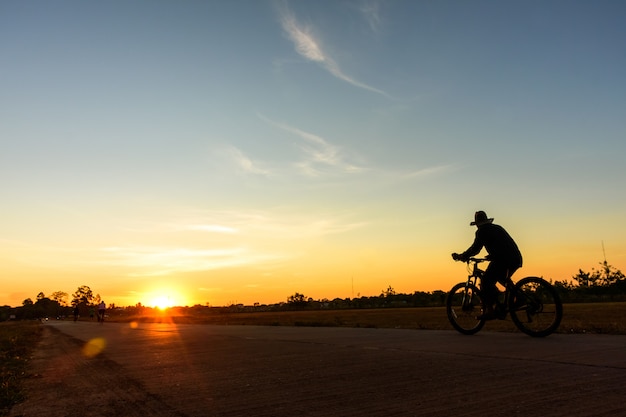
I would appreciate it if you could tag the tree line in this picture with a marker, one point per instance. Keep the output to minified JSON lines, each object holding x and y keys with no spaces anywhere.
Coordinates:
{"x":56,"y":306}
{"x":606,"y":283}
{"x":603,"y":284}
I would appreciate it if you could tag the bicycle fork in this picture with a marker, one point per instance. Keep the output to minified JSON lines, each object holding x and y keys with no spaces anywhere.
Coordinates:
{"x":467,"y":295}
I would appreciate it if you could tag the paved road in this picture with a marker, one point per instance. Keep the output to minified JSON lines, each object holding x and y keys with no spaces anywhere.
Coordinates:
{"x":205,"y":370}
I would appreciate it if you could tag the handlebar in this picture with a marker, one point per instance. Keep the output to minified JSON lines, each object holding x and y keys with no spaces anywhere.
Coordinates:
{"x":458,"y":258}
{"x":478,"y":260}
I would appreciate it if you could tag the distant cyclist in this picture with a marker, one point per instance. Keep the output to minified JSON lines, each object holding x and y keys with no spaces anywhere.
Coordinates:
{"x":504,"y":256}
{"x":101,"y":310}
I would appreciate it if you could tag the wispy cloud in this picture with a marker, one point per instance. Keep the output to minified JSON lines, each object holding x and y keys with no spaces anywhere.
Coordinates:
{"x":323,"y":158}
{"x":156,"y":261}
{"x":320,"y":155}
{"x":244,"y":163}
{"x":219,"y":240}
{"x":278,"y":224}
{"x":309,"y":47}
{"x":371,"y":12}
{"x":428,"y":172}
{"x":215,"y":228}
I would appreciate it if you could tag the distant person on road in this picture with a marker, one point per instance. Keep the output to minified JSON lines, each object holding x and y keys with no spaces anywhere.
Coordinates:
{"x":101,"y":310}
{"x":76,"y":313}
{"x":504,"y":256}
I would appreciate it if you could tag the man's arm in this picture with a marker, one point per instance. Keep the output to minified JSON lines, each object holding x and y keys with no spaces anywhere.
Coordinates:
{"x":472,"y":250}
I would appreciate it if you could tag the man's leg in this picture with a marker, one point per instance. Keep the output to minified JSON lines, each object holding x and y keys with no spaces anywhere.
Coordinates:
{"x":488,"y":289}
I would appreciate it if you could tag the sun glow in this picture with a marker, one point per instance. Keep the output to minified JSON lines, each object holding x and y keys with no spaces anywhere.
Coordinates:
{"x":164,"y":298}
{"x":162,"y":303}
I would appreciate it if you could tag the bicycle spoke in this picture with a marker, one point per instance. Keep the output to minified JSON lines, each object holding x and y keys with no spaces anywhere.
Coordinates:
{"x":535,"y":308}
{"x":463,"y":305}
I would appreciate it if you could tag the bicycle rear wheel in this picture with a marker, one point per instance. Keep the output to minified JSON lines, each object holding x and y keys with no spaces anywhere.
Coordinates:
{"x":462,"y":306}
{"x":535,"y":307}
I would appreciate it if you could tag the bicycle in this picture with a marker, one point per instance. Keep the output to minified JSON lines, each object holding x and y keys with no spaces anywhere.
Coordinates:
{"x":533,"y":303}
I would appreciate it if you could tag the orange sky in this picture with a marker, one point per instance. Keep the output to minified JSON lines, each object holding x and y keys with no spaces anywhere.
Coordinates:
{"x":272,"y":268}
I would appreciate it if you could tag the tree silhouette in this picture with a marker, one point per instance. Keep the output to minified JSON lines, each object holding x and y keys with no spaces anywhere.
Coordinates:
{"x":297,"y":300}
{"x":606,"y":276}
{"x":60,"y":297}
{"x":83,"y":295}
{"x":389,"y":292}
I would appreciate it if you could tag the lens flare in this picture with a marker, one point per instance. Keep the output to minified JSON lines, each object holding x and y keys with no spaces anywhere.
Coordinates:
{"x":94,"y":347}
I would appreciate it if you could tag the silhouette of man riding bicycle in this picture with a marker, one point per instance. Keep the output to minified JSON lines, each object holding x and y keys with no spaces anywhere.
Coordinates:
{"x":533,"y":303}
{"x":504,"y":256}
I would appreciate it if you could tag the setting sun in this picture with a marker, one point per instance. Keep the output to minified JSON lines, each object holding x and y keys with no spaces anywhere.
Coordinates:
{"x":162,"y":303}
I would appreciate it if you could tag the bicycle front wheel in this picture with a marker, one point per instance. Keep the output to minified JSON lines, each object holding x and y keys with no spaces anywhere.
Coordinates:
{"x":462,"y":306}
{"x":535,"y":307}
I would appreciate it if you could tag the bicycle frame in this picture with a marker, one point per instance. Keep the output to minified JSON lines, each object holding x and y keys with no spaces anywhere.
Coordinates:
{"x":476,"y":275}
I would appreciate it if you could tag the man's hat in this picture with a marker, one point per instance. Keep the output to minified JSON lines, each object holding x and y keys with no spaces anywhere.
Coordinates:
{"x":480,"y":218}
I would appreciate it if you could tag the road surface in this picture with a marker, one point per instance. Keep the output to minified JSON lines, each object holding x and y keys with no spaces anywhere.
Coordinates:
{"x":87,"y":369}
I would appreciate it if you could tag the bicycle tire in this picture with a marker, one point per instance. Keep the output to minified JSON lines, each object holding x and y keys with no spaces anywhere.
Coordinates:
{"x":535,"y":307}
{"x":462,"y":308}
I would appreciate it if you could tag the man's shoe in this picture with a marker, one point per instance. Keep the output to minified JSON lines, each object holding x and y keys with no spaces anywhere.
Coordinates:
{"x":500,"y":311}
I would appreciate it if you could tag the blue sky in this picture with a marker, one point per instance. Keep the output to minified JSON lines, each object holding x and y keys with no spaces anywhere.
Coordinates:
{"x":245,"y":150}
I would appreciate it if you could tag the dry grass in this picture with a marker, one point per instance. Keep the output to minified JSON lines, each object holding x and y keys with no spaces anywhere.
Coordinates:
{"x":17,"y":341}
{"x":608,"y":318}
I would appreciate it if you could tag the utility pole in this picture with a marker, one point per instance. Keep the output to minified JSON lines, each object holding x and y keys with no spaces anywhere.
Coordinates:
{"x":607,"y":270}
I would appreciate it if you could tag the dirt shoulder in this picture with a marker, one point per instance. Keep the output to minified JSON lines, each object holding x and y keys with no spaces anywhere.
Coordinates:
{"x":63,"y":382}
